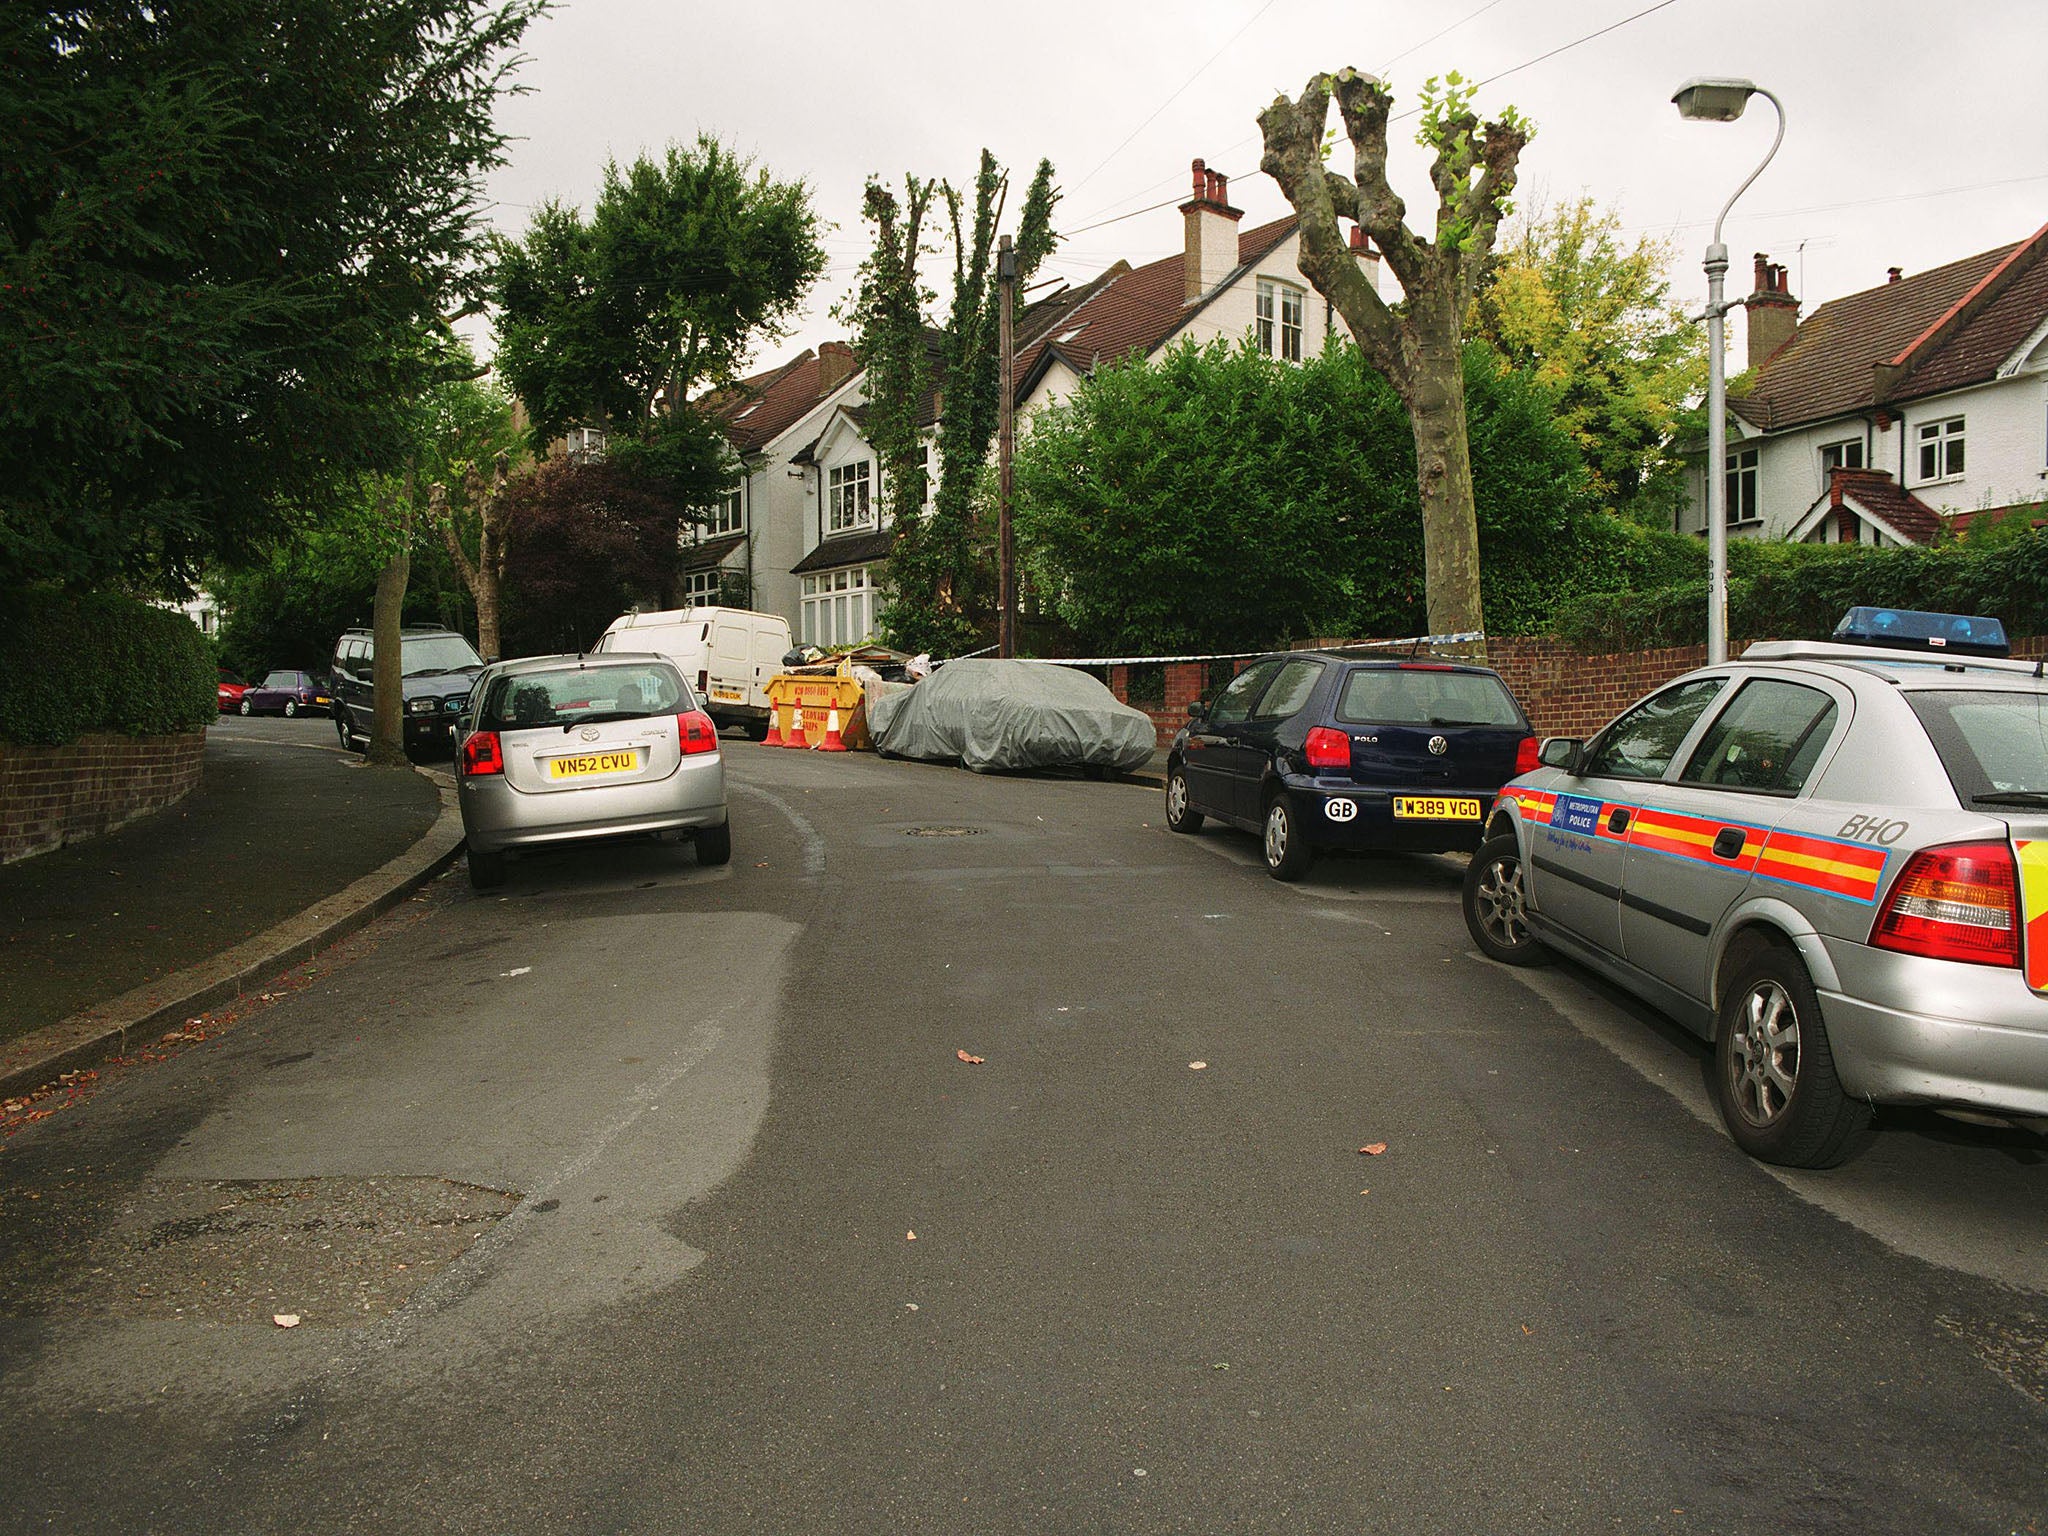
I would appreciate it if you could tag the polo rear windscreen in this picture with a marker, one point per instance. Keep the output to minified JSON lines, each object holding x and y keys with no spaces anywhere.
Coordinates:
{"x":1425,"y":696}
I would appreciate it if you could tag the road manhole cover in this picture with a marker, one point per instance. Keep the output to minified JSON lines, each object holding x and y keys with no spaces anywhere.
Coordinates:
{"x":943,"y":832}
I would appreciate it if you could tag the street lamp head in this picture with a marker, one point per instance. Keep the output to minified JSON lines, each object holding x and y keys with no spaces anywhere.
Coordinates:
{"x":1712,"y":100}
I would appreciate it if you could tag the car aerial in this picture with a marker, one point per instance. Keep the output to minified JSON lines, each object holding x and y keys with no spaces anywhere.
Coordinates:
{"x":1314,"y":750}
{"x":438,"y":668}
{"x":1828,"y":859}
{"x":229,"y":690}
{"x":286,"y":693}
{"x":567,"y":748}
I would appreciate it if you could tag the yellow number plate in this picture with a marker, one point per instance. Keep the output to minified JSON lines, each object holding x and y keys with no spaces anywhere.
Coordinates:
{"x":592,"y":763}
{"x":1435,"y":808}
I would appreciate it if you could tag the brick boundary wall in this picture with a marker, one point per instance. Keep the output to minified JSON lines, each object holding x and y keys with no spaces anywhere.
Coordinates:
{"x":1567,"y":692}
{"x":50,"y":796}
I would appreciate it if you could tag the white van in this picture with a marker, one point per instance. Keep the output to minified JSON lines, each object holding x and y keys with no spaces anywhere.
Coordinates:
{"x":728,"y":654}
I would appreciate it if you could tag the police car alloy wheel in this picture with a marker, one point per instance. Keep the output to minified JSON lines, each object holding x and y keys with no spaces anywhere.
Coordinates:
{"x":1774,"y":1072}
{"x":1493,"y":901}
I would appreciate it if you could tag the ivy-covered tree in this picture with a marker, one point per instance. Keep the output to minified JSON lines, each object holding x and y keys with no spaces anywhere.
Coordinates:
{"x":1417,"y":347}
{"x":223,"y":229}
{"x":1591,"y":316}
{"x":942,"y":590}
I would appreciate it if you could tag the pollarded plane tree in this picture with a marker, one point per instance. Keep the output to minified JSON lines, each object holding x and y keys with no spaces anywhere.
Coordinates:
{"x":1417,"y":345}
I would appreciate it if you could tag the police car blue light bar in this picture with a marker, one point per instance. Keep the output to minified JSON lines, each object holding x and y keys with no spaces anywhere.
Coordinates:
{"x":1907,"y":629}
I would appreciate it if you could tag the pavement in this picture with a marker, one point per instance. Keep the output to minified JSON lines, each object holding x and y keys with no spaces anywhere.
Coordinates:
{"x":287,"y":845}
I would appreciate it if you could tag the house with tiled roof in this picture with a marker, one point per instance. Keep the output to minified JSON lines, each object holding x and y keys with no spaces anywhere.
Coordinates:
{"x":1885,"y":414}
{"x":807,"y":530}
{"x":1224,"y":282}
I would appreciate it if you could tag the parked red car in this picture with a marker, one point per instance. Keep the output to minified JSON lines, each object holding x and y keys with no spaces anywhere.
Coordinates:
{"x":231,"y":690}
{"x":288,"y":693}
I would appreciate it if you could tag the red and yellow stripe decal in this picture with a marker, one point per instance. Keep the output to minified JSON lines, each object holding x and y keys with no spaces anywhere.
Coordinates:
{"x":1692,"y":837}
{"x":2034,"y":908}
{"x":1853,"y":870}
{"x":1534,"y":804}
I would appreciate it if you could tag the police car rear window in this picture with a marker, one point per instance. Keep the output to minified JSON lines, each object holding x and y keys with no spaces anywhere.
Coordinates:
{"x":1991,"y":742}
{"x":1425,"y":696}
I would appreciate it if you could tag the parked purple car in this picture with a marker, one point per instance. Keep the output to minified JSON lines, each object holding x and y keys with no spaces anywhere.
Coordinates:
{"x":288,"y":693}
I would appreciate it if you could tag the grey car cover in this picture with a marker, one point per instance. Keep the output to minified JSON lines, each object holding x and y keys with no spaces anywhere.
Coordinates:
{"x":994,"y":715}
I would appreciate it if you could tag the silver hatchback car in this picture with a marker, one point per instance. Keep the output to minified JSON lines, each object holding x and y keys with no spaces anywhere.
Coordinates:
{"x":1829,"y":859}
{"x":565,"y":748}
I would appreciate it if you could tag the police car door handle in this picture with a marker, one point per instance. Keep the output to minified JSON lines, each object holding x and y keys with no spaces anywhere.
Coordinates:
{"x":1617,"y":819}
{"x":1728,"y":842}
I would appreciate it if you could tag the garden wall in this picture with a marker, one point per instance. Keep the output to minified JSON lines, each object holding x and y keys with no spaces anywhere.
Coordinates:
{"x":50,"y":796}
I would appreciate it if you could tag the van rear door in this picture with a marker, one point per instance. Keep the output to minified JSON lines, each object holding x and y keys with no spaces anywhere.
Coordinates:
{"x":730,"y":661}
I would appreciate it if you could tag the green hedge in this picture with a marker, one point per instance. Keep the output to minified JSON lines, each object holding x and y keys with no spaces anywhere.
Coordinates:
{"x":70,"y":665}
{"x":1800,"y":591}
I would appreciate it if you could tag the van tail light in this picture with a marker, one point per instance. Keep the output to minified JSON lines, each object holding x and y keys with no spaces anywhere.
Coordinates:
{"x":1326,"y":748}
{"x":703,"y":680}
{"x":480,"y":754}
{"x":1528,"y":754}
{"x":1958,"y":902}
{"x":695,"y":733}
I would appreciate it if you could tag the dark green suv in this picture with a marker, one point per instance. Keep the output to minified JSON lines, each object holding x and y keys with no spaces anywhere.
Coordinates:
{"x":440,"y":668}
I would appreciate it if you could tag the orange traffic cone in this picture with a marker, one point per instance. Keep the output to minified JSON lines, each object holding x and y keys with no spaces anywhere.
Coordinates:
{"x":795,"y":738}
{"x":774,"y":737}
{"x":832,"y":743}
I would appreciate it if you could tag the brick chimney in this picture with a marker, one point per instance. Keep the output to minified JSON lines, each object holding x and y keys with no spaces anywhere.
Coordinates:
{"x":835,"y":365}
{"x":1368,"y":258}
{"x":1210,"y":252}
{"x":1773,"y":312}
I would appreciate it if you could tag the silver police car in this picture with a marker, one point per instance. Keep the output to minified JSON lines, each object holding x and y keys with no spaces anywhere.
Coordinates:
{"x":1829,"y":859}
{"x":566,"y":748}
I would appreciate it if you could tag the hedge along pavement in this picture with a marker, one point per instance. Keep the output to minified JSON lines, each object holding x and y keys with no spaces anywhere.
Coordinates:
{"x":1801,"y":591}
{"x":100,"y":661}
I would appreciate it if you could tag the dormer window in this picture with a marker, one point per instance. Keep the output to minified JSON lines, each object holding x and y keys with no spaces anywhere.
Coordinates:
{"x":1280,"y":310}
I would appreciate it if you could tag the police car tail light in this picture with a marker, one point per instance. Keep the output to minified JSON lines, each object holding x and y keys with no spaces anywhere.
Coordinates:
{"x":1326,"y":748}
{"x":480,"y":754}
{"x":1958,"y":902}
{"x":695,"y":733}
{"x":1527,"y":754}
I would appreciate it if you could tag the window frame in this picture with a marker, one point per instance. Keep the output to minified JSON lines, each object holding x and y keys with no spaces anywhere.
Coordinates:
{"x":1277,"y":334}
{"x":1833,"y":718}
{"x":1315,"y":668}
{"x":1837,"y":448}
{"x":727,"y":515}
{"x":1270,"y":667}
{"x":1943,"y":445}
{"x":1595,"y":770}
{"x":844,"y":483}
{"x":1744,"y":466}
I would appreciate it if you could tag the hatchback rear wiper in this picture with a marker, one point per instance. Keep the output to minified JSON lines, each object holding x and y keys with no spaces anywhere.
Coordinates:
{"x":1445,"y":720}
{"x":2012,"y":797}
{"x":603,"y":717}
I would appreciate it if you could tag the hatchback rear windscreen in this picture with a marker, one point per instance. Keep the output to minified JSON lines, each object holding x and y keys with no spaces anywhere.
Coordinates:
{"x":1992,"y":743}
{"x":1423,"y":696}
{"x":583,"y":695}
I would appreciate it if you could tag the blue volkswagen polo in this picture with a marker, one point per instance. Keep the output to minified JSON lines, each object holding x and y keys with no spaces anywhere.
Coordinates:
{"x":1325,"y":749}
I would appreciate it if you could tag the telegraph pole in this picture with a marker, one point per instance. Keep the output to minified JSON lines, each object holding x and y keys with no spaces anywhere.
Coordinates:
{"x":1006,"y":443}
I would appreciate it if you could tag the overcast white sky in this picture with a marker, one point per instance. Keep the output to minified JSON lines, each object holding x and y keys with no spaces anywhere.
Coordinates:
{"x":1915,"y":131}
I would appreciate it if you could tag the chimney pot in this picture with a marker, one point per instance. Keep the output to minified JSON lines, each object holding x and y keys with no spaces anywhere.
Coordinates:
{"x":1763,"y":271}
{"x":1893,"y":274}
{"x":1201,"y":176}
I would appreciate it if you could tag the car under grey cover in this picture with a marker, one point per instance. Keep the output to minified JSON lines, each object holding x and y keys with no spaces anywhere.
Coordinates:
{"x":995,"y":715}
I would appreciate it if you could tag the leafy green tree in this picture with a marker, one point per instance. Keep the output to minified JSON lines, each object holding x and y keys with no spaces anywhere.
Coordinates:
{"x":586,"y":542}
{"x":1218,"y":499}
{"x":684,"y":264}
{"x":222,"y":228}
{"x":1418,"y":346}
{"x":942,"y":588}
{"x":1591,"y":316}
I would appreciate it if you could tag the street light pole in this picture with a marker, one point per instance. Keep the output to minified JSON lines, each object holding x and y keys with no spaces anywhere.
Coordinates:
{"x":1720,"y":101}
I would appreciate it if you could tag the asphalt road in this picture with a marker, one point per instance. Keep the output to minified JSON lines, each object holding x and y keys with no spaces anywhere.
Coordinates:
{"x":644,"y":1197}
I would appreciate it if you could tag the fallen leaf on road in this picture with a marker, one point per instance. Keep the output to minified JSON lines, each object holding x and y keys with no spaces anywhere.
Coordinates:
{"x":517,"y":970}
{"x":972,"y":1061}
{"x":285,"y":1319}
{"x":1198,"y":1066}
{"x":1373,"y":1148}
{"x":910,"y":1237}
{"x":1527,"y":1329}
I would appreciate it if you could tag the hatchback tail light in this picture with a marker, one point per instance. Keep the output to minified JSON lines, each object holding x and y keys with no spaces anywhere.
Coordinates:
{"x":1958,"y":902}
{"x":1528,"y":754}
{"x":696,"y":733}
{"x":481,"y":755}
{"x":1326,"y":748}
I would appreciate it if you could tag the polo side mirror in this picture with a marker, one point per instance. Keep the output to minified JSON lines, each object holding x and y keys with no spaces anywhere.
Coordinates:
{"x":1199,"y":710}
